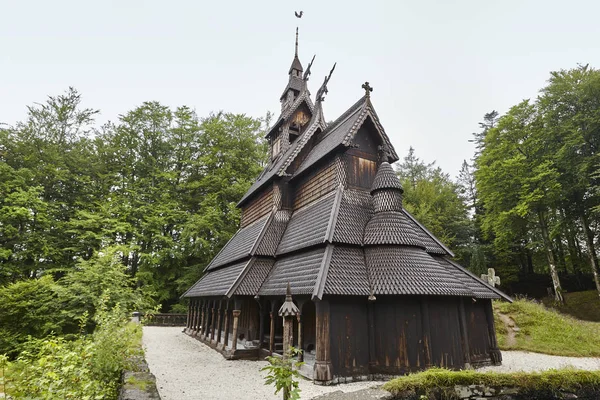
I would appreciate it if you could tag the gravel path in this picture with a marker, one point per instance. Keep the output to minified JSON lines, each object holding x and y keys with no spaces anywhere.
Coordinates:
{"x":529,"y":362}
{"x":187,"y":369}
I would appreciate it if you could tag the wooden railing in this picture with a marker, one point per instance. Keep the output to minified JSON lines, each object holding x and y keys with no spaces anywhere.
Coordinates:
{"x":166,"y":319}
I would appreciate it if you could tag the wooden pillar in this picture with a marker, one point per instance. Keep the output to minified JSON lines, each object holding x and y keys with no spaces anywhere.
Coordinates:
{"x":190,"y":323}
{"x":194,"y":326}
{"x":323,"y":368}
{"x":202,"y":317}
{"x":197,"y":316}
{"x":219,"y":321}
{"x":212,"y":321}
{"x":226,"y":323}
{"x":188,"y":319}
{"x":464,"y":332}
{"x":301,"y":354}
{"x":236,"y":316}
{"x":371,"y":333}
{"x":495,"y":354}
{"x":207,"y":320}
{"x":261,"y":328}
{"x":425,"y":325}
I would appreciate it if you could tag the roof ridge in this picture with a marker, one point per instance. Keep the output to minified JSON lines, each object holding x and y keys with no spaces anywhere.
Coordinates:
{"x":323,"y":272}
{"x":420,"y":225}
{"x":351,"y":110}
{"x":240,"y":277}
{"x":261,"y":234}
{"x":478,"y":280}
{"x":335,"y":210}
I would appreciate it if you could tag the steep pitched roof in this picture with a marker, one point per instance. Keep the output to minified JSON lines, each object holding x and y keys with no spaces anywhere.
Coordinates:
{"x":432,"y":244}
{"x":278,"y":166}
{"x":300,"y":270}
{"x":405,"y":270}
{"x":480,"y":288}
{"x":391,"y":227}
{"x":217,"y":283}
{"x":250,"y":283}
{"x":352,"y":217}
{"x":347,"y":273}
{"x":241,"y":244}
{"x":309,"y":225}
{"x":342,"y":131}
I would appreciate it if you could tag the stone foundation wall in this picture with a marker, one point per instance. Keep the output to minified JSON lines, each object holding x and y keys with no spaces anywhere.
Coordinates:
{"x":482,"y":392}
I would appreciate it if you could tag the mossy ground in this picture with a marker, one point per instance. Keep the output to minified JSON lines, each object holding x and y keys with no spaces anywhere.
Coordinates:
{"x":544,"y":382}
{"x":544,"y":330}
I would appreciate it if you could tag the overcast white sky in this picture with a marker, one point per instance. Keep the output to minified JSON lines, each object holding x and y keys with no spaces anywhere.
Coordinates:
{"x":436,"y":66}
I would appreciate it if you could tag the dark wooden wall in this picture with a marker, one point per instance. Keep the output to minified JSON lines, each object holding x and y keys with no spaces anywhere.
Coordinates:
{"x":398,"y":330}
{"x":409,"y":333}
{"x":349,"y":336}
{"x":308,"y":326}
{"x":479,"y":341}
{"x":444,"y":323}
{"x":260,"y":206}
{"x":361,"y":171}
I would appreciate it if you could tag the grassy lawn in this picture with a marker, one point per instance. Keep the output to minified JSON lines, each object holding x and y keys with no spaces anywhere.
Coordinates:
{"x":581,"y":305}
{"x":542,"y":384}
{"x":545,"y":330}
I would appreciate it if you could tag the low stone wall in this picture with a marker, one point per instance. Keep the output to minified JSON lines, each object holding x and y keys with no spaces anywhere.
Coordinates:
{"x":482,"y":392}
{"x":167,"y":319}
{"x":139,"y":384}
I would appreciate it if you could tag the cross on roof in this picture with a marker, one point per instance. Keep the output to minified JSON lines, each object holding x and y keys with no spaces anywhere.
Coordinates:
{"x":491,"y":277}
{"x":368,"y":89}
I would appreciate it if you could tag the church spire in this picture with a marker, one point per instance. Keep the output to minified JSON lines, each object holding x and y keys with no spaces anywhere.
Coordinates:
{"x":296,"y":55}
{"x":296,"y":67}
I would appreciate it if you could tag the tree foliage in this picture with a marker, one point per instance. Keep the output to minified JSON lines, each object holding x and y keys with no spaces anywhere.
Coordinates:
{"x":159,"y":184}
{"x":535,"y":180}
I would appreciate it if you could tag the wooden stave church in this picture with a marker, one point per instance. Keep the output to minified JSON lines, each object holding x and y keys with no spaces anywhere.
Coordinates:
{"x":378,"y":294}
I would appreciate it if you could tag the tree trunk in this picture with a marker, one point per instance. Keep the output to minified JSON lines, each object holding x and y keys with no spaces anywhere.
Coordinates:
{"x":552,"y":264}
{"x":560,"y":250}
{"x":589,"y":237}
{"x":571,"y":247}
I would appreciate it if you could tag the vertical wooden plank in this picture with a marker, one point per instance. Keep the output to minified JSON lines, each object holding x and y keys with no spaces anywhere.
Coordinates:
{"x":188,"y":316}
{"x":301,"y":355}
{"x":219,"y":312}
{"x":226,"y":323}
{"x":323,"y":368}
{"x":426,"y":332}
{"x":261,"y":327}
{"x":371,"y":330}
{"x":495,"y":354}
{"x":202,"y":316}
{"x":464,"y":333}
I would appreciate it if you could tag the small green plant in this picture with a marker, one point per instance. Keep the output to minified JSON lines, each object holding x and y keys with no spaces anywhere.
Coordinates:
{"x":283,"y":373}
{"x":3,"y":367}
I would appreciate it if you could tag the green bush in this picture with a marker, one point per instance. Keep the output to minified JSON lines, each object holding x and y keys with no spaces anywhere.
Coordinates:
{"x":30,"y":309}
{"x":87,"y":368}
{"x":37,"y":308}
